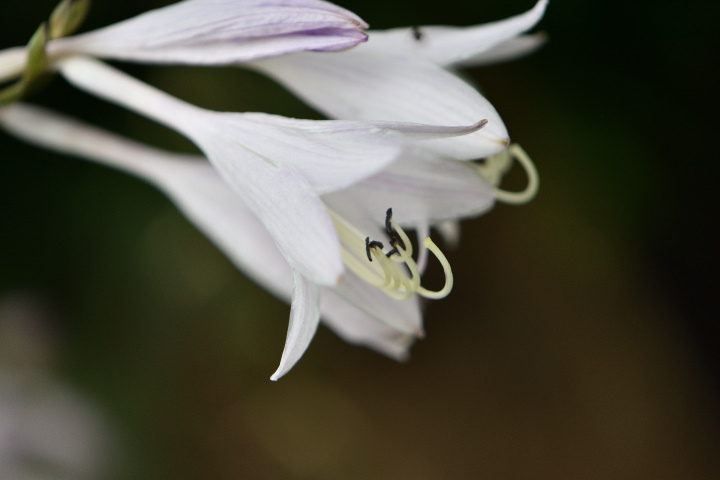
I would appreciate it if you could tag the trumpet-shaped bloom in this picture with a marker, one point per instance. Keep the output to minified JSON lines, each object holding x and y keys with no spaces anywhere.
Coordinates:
{"x":279,"y":166}
{"x":211,"y":32}
{"x":402,"y":75}
{"x":299,"y":203}
{"x":360,"y":309}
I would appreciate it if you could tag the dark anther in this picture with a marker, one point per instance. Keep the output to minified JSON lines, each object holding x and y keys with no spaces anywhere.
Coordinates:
{"x":388,"y":225}
{"x":416,"y":33}
{"x":372,"y":244}
{"x":391,"y":231}
{"x":394,"y":242}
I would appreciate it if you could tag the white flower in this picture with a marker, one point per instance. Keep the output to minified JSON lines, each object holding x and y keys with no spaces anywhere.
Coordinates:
{"x":304,"y":199}
{"x":277,"y":165}
{"x":210,"y":32}
{"x":360,"y":309}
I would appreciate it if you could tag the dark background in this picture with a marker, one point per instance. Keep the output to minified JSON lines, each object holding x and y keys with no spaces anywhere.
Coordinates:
{"x":581,"y":340}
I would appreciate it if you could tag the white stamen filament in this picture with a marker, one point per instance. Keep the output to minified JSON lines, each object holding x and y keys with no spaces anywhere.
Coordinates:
{"x":497,"y":166}
{"x":430,"y":245}
{"x":397,"y":275}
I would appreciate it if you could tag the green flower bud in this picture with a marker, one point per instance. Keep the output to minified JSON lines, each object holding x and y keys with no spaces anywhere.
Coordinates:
{"x":67,"y":17}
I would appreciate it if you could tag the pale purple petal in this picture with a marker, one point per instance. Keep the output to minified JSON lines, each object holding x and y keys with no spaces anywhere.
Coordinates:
{"x":304,"y":320}
{"x":361,"y":85}
{"x":401,"y":315}
{"x":452,"y":45}
{"x":329,"y":154}
{"x":221,"y":32}
{"x":288,"y":207}
{"x":421,"y":187}
{"x":357,"y":327}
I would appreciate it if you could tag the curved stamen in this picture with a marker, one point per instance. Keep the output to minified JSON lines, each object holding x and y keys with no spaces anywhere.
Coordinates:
{"x":400,"y":279}
{"x":391,"y":230}
{"x":449,"y":279}
{"x":395,"y":272}
{"x":496,"y":166}
{"x":387,"y":268}
{"x":362,"y":270}
{"x":412,"y":266}
{"x":399,"y":288}
{"x":352,"y":243}
{"x":405,"y":242}
{"x":533,"y":184}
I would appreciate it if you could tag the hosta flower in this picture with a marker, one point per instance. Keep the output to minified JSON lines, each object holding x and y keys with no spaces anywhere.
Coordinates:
{"x":363,"y":308}
{"x":209,"y":32}
{"x":278,"y":166}
{"x":308,"y":200}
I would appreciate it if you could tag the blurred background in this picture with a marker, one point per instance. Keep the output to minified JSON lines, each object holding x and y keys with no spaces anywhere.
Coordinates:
{"x":581,"y":339}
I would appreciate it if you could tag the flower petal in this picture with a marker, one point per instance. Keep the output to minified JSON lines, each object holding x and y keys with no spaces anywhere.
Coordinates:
{"x":362,"y":85}
{"x":451,"y":45}
{"x":330,"y":154}
{"x":357,"y":327}
{"x":288,"y":206}
{"x":449,"y":230}
{"x":221,"y":32}
{"x":304,"y":320}
{"x":402,"y":316}
{"x":421,"y":187}
{"x":503,"y":52}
